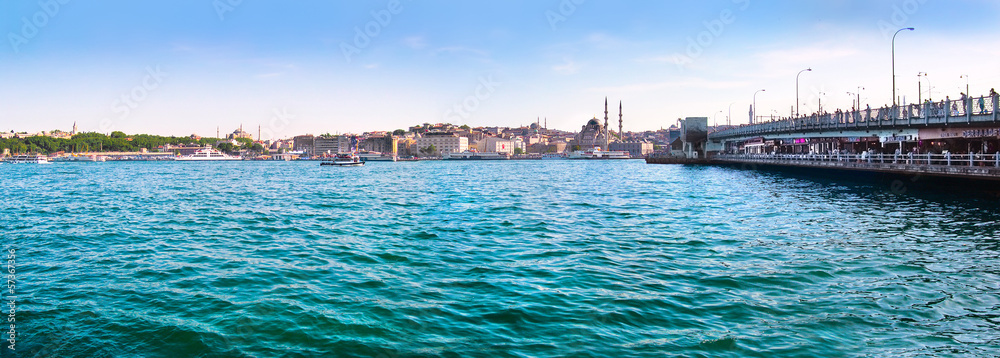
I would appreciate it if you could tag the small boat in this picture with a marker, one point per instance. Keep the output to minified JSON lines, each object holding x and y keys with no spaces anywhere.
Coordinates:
{"x":344,"y":160}
{"x":207,"y":154}
{"x":28,"y":159}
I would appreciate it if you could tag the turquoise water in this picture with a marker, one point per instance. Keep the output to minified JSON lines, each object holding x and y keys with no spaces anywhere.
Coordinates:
{"x":490,"y":259}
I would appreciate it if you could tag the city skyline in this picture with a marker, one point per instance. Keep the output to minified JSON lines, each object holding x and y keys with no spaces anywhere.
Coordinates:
{"x":309,"y":67}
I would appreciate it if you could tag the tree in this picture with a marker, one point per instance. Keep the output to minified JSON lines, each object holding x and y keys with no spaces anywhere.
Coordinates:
{"x":429,"y":150}
{"x":118,"y":134}
{"x":575,"y":147}
{"x":465,"y":127}
{"x":398,"y":132}
{"x":518,"y":151}
{"x":227,"y":147}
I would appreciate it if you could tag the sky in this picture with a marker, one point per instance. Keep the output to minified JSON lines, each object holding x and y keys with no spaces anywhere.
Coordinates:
{"x":182,"y":67}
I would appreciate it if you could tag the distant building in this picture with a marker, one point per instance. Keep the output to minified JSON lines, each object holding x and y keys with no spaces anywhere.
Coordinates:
{"x":303,"y":143}
{"x":381,"y":143}
{"x":443,"y":142}
{"x":635,"y":149}
{"x":240,"y":133}
{"x":496,"y":145}
{"x":328,"y":145}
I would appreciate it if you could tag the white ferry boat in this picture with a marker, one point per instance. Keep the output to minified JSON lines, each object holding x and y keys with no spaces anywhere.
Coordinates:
{"x":207,"y":154}
{"x":597,"y":153}
{"x":344,"y":160}
{"x":467,"y":155}
{"x":377,"y":157}
{"x":28,"y":159}
{"x":80,"y":158}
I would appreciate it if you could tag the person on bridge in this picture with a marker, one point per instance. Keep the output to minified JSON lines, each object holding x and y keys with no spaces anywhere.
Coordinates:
{"x":982,"y":105}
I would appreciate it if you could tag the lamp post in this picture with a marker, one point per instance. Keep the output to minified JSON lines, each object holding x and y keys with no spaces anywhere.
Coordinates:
{"x":930,"y":95}
{"x":894,"y":63}
{"x":820,"y":95}
{"x":966,"y":77}
{"x":920,"y":90}
{"x":797,"y":90}
{"x":715,"y":119}
{"x":755,"y":104}
{"x":730,"y":116}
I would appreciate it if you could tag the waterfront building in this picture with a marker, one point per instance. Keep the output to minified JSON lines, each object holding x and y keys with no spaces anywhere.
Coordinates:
{"x":330,"y":145}
{"x":443,"y":142}
{"x":303,"y":143}
{"x":496,"y":145}
{"x":635,"y":149}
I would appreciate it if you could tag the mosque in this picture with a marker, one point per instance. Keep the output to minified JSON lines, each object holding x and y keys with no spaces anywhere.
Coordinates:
{"x":593,"y":134}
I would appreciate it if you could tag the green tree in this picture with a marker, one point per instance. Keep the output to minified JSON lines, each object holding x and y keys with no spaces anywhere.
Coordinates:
{"x":518,"y":151}
{"x":227,"y":147}
{"x":118,"y":134}
{"x":429,"y":150}
{"x":398,"y":132}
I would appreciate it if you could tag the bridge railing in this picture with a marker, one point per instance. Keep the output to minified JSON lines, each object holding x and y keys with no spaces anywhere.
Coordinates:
{"x":948,"y":111}
{"x":930,"y":159}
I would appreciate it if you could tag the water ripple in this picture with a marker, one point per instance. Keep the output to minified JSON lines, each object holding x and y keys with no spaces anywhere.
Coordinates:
{"x":512,"y":259}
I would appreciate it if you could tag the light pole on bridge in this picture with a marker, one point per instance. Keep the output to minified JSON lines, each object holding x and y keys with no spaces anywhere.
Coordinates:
{"x":920,"y":92}
{"x":797,"y":114}
{"x":894,"y":63}
{"x":966,"y":77}
{"x":755,"y":104}
{"x":730,"y":116}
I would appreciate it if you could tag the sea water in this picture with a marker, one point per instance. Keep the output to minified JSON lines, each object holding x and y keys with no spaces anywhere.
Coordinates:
{"x":489,"y":259}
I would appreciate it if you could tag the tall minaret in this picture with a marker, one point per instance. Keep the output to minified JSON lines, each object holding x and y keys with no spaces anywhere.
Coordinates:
{"x":621,"y":135}
{"x":607,"y":132}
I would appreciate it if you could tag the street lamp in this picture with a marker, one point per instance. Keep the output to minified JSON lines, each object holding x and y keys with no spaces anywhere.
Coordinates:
{"x":797,"y":90}
{"x":894,"y":63}
{"x":920,"y":92}
{"x":755,"y":104}
{"x":820,"y":95}
{"x":715,"y":119}
{"x":730,"y":114}
{"x":966,"y":77}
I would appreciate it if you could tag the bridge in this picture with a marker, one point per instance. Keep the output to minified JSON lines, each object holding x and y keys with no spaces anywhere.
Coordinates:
{"x":957,"y":126}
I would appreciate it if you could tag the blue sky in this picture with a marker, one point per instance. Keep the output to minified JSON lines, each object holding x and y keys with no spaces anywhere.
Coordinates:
{"x":184,"y":66}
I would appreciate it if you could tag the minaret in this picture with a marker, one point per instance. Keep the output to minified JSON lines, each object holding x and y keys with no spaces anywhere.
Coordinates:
{"x":620,"y":133}
{"x":74,"y":129}
{"x":606,"y":132}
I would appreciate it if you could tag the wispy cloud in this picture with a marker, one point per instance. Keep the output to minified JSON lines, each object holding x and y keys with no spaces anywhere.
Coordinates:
{"x":567,"y":68}
{"x":415,"y":42}
{"x":695,"y":83}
